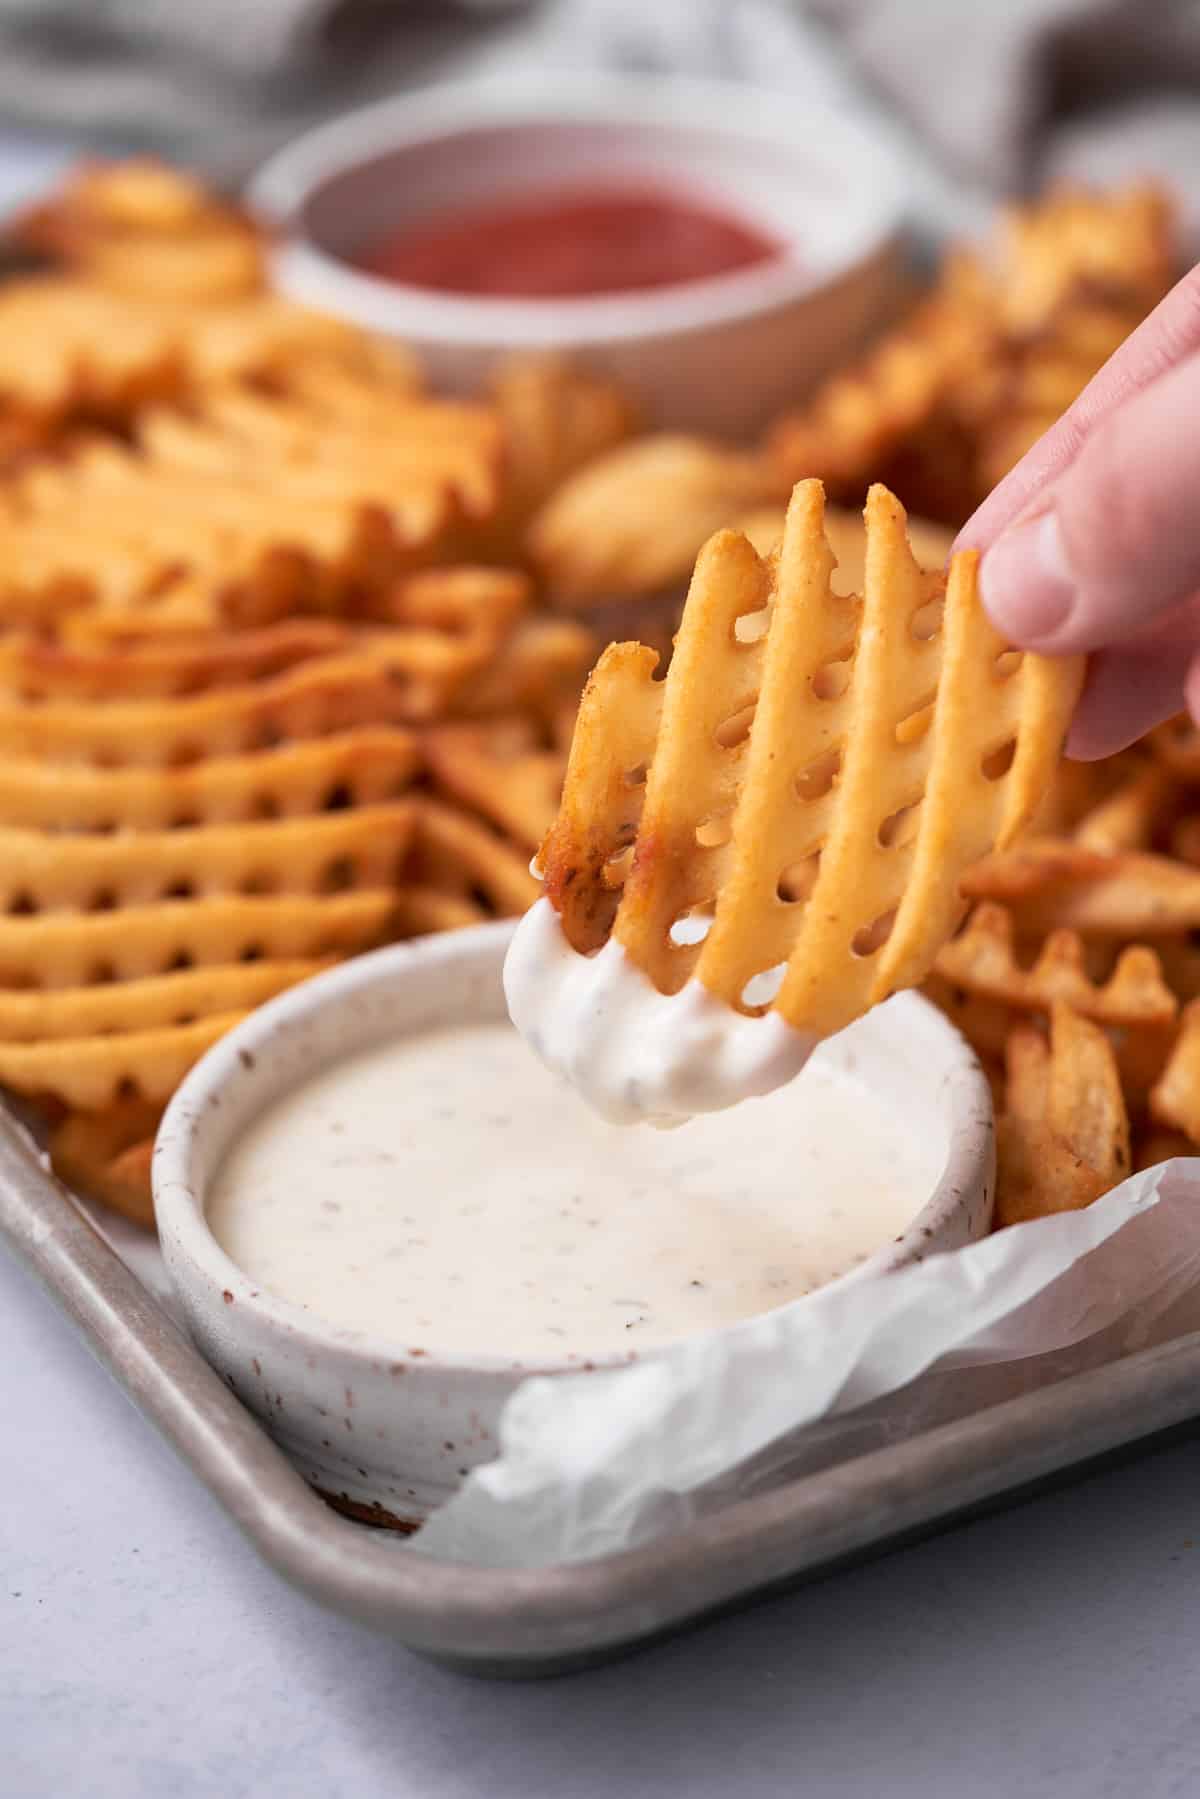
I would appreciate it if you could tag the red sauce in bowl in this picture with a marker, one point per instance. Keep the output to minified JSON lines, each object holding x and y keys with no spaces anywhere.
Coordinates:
{"x":570,"y":243}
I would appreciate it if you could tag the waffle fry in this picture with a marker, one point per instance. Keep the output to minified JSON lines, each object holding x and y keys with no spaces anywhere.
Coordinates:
{"x":1064,"y":1137}
{"x":500,"y":771}
{"x":862,"y":415}
{"x":1114,"y":244}
{"x":1132,"y":816}
{"x":141,"y":227}
{"x":844,"y":531}
{"x":951,"y":398}
{"x":1051,"y":885}
{"x":1175,"y":1099}
{"x":71,"y":350}
{"x":329,"y":853}
{"x":157,"y":1003}
{"x":421,"y":910}
{"x":982,"y":960}
{"x":538,"y":669}
{"x":105,"y":1156}
{"x":1177,"y":745}
{"x":388,"y":677}
{"x":1157,"y":1144}
{"x":321,"y":446}
{"x":633,"y":521}
{"x":35,"y":668}
{"x":357,"y":768}
{"x":816,"y":786}
{"x":62,"y":950}
{"x":89,"y":1073}
{"x":453,"y":854}
{"x":555,"y":419}
{"x":268,"y":503}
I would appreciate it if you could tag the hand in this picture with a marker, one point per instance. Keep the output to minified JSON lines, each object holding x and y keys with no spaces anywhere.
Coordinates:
{"x":1093,"y":541}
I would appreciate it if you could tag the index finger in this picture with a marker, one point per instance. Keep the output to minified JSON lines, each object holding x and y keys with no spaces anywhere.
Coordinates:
{"x":1171,"y":332}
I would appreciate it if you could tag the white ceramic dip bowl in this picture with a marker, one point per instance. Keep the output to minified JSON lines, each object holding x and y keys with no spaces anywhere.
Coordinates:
{"x":721,"y":354}
{"x":387,"y":1429}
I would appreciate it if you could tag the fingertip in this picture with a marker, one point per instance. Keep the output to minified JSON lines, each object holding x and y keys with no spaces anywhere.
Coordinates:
{"x":1026,"y":584}
{"x":1127,"y":693}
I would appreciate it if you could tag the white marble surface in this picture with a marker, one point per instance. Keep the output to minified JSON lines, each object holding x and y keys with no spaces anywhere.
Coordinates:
{"x":144,"y":1651}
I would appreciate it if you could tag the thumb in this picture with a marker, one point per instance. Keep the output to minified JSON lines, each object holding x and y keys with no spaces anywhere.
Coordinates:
{"x":1114,"y":542}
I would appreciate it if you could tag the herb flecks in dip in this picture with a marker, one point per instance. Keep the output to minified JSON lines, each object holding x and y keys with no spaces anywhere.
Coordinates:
{"x":447,"y":1190}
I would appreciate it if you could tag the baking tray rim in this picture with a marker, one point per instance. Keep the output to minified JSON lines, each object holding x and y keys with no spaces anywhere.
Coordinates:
{"x":538,"y":1621}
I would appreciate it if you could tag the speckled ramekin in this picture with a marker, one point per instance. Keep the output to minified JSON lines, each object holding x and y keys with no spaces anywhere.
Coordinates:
{"x":387,"y":1429}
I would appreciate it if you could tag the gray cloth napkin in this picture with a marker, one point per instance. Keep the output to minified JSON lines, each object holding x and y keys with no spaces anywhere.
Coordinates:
{"x":982,"y":97}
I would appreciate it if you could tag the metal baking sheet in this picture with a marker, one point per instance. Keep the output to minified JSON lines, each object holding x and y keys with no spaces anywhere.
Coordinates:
{"x":501,"y":1622}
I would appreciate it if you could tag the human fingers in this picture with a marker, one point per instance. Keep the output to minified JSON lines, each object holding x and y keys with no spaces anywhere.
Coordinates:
{"x":1127,"y":692}
{"x":1113,"y":544}
{"x":1166,"y":338}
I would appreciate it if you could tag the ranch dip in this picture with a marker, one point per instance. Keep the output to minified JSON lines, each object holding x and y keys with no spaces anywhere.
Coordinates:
{"x":447,"y":1191}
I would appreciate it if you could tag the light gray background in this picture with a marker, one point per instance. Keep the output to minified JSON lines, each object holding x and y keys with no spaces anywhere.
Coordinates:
{"x":146,"y":1653}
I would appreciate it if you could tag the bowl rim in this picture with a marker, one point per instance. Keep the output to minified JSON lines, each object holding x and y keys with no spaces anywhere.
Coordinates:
{"x":179,"y":1199}
{"x":289,"y":178}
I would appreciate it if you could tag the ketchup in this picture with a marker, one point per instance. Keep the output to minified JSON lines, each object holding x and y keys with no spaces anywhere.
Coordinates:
{"x":567,"y":243}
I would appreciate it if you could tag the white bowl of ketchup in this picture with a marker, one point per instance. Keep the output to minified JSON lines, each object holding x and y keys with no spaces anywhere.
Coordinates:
{"x":343,"y":1190}
{"x":714,"y":247}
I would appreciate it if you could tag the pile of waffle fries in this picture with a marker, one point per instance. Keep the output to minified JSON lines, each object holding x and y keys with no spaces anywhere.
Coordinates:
{"x":291,"y":652}
{"x":274,"y":687}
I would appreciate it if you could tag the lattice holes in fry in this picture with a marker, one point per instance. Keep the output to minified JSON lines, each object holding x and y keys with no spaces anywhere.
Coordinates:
{"x":814,"y":774}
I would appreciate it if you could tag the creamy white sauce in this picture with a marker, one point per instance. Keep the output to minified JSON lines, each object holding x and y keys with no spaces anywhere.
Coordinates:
{"x":634,"y":1053}
{"x":446,"y":1192}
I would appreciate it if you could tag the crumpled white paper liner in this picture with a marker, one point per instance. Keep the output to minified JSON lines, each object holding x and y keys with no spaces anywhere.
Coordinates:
{"x":593,"y":1463}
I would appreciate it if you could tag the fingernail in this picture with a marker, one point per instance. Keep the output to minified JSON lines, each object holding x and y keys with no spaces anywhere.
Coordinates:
{"x":1025,"y":581}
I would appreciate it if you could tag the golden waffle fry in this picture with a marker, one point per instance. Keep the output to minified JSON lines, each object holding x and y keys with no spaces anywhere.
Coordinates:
{"x":955,"y":394}
{"x":1175,"y":1099}
{"x":1184,"y":840}
{"x":820,"y":773}
{"x":88,"y":1073}
{"x":555,"y":418}
{"x":352,"y":768}
{"x":539,"y":668}
{"x":1177,"y":745}
{"x":59,"y":950}
{"x":422,"y":910}
{"x":1064,"y":1137}
{"x":270,"y":503}
{"x":1071,"y":241}
{"x":156,"y":1003}
{"x":330,"y":853}
{"x":930,"y":543}
{"x":106,"y":529}
{"x":391,"y":445}
{"x":1156,"y":1145}
{"x":454,"y":854}
{"x":634,"y":520}
{"x":34,"y":668}
{"x":982,"y":960}
{"x":67,"y":349}
{"x":985,"y":1022}
{"x":105,"y":1156}
{"x":144,"y":228}
{"x":1132,"y":815}
{"x":1051,"y":885}
{"x":501,"y":771}
{"x":1141,"y":1048}
{"x":388,"y":677}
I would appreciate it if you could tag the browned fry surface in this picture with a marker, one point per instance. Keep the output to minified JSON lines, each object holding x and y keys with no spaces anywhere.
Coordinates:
{"x":285,"y":674}
{"x":813,"y":775}
{"x":1064,"y":1134}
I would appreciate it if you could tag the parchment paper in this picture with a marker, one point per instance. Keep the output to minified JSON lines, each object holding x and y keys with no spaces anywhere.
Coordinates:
{"x":593,"y":1463}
